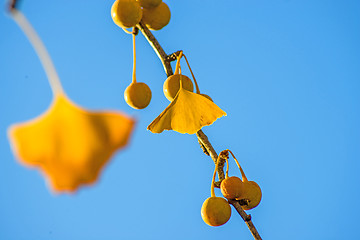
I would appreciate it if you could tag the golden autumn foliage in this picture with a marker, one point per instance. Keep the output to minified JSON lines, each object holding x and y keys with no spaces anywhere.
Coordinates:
{"x":187,"y":113}
{"x":70,"y":144}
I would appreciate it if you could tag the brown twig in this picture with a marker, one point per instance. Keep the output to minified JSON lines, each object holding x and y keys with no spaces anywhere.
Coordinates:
{"x":202,"y":138}
{"x":246,"y":218}
{"x":157,"y":48}
{"x":12,"y":5}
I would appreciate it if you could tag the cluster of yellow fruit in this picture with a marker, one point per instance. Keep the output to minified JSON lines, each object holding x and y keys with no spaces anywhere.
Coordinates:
{"x":155,"y":14}
{"x":138,"y":94}
{"x":216,"y":211}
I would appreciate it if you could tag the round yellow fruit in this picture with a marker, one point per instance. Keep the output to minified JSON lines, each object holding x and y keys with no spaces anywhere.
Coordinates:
{"x":149,"y":3}
{"x":252,"y":193}
{"x":126,"y":13}
{"x":172,"y":85}
{"x":231,"y":187}
{"x":137,"y":95}
{"x":215,"y":211}
{"x":158,"y":17}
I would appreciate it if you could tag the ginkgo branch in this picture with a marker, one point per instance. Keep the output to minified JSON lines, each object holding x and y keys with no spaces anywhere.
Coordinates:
{"x":202,"y":138}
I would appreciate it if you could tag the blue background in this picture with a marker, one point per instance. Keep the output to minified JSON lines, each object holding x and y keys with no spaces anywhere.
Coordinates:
{"x":286,"y":72}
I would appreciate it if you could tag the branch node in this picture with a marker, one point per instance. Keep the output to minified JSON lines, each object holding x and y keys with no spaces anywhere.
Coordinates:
{"x":244,"y":202}
{"x":224,"y":154}
{"x":248,"y":218}
{"x":12,"y":5}
{"x":217,"y":184}
{"x":135,"y":31}
{"x":173,"y":56}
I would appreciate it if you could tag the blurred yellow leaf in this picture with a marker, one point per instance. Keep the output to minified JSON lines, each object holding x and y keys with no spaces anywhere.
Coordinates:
{"x":187,"y":113}
{"x":70,"y":144}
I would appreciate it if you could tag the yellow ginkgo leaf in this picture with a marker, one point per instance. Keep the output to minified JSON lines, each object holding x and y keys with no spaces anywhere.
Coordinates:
{"x":187,"y":113}
{"x":70,"y":144}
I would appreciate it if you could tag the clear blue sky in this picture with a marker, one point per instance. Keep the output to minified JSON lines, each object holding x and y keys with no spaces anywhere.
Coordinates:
{"x":286,"y":72}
